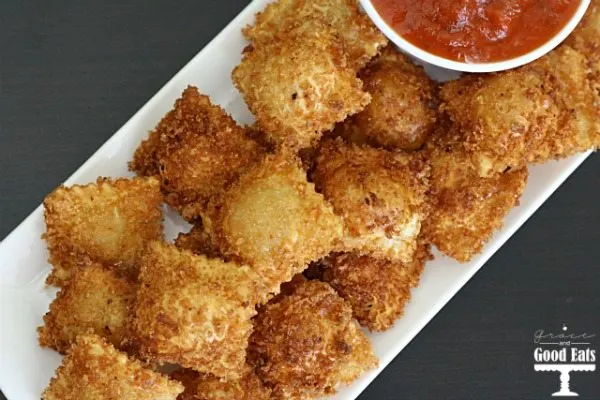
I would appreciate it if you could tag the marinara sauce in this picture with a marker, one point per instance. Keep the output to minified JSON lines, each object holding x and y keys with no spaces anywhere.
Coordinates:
{"x":477,"y":31}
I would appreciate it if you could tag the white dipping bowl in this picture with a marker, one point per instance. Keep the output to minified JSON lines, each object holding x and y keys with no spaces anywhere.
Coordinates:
{"x":442,"y":62}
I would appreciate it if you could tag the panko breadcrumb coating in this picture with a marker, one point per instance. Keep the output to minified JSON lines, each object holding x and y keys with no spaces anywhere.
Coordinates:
{"x":502,"y":116}
{"x":109,"y":222}
{"x":579,"y":119}
{"x":403,"y":105}
{"x":376,"y":289}
{"x":194,"y":311}
{"x":586,"y":39}
{"x":209,"y":387}
{"x":197,"y":241}
{"x":273,"y":220}
{"x":299,"y":86}
{"x":95,"y":300}
{"x":197,"y":149}
{"x":306,"y":344}
{"x":544,"y":110}
{"x":94,"y":369}
{"x":362,"y":39}
{"x":380,"y":195}
{"x":467,"y":209}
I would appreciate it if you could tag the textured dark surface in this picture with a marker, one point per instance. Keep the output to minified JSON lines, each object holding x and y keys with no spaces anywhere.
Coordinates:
{"x":71,"y":74}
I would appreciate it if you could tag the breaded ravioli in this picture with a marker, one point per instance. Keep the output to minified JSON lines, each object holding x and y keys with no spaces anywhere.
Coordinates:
{"x":403,"y":105}
{"x":306,"y":344}
{"x":502,"y":116}
{"x":273,"y":220}
{"x":570,"y":85}
{"x":299,"y":86}
{"x":544,"y":110}
{"x":109,"y":222}
{"x":197,"y":149}
{"x":586,"y":39}
{"x":194,"y":311}
{"x":197,"y":241}
{"x":362,"y":39}
{"x":94,"y":370}
{"x":467,"y":209}
{"x":380,"y":195}
{"x":95,"y":300}
{"x":376,"y":289}
{"x":209,"y":387}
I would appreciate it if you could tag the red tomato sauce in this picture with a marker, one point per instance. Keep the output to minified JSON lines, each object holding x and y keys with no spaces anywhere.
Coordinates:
{"x":477,"y":31}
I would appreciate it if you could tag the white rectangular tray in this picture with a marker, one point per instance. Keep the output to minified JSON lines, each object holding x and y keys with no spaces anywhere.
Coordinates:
{"x":25,"y":368}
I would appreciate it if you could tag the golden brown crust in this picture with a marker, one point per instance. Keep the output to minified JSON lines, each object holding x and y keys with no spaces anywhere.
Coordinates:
{"x":403,"y":105}
{"x":379,"y":194}
{"x":467,"y":209}
{"x":273,"y":219}
{"x":306,"y":344}
{"x":586,"y":39}
{"x":194,"y":311}
{"x":299,"y":86}
{"x":198,"y":241}
{"x":209,"y":387}
{"x":544,"y":110}
{"x":362,"y":39}
{"x":197,"y":149}
{"x":502,"y":116}
{"x":95,"y":300}
{"x":109,"y":222}
{"x":93,"y":370}
{"x":570,"y":85}
{"x":376,"y":289}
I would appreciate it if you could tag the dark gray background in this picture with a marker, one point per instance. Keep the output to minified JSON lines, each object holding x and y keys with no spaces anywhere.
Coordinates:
{"x":71,"y":74}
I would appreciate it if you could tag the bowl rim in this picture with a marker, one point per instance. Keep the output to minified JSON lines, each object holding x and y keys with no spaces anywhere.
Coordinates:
{"x":433,"y":59}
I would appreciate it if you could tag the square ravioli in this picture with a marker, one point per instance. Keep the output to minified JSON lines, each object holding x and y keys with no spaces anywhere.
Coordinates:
{"x":94,"y":369}
{"x":109,"y":222}
{"x":95,"y":300}
{"x":381,"y":196}
{"x":197,"y":149}
{"x":377,"y":289}
{"x":305,"y":344}
{"x":273,"y":219}
{"x":362,"y":39}
{"x":194,"y":311}
{"x":544,"y":110}
{"x":209,"y":387}
{"x":467,"y":209}
{"x":300,"y":86}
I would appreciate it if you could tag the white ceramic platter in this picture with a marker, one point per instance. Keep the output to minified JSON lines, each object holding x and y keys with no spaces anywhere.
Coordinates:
{"x":25,"y":368}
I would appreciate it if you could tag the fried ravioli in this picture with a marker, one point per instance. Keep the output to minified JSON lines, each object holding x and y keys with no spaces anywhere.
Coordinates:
{"x":586,"y":39}
{"x":544,"y":110}
{"x":579,"y":118}
{"x":209,"y":387}
{"x":402,"y":111}
{"x":376,"y":289}
{"x":362,"y":39}
{"x":300,"y":86}
{"x":109,"y":222}
{"x":194,"y":311}
{"x":95,"y":300}
{"x":273,"y":220}
{"x":94,"y":369}
{"x":197,"y":149}
{"x":306,"y":344}
{"x":467,"y":209}
{"x":379,"y":194}
{"x":502,"y":116}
